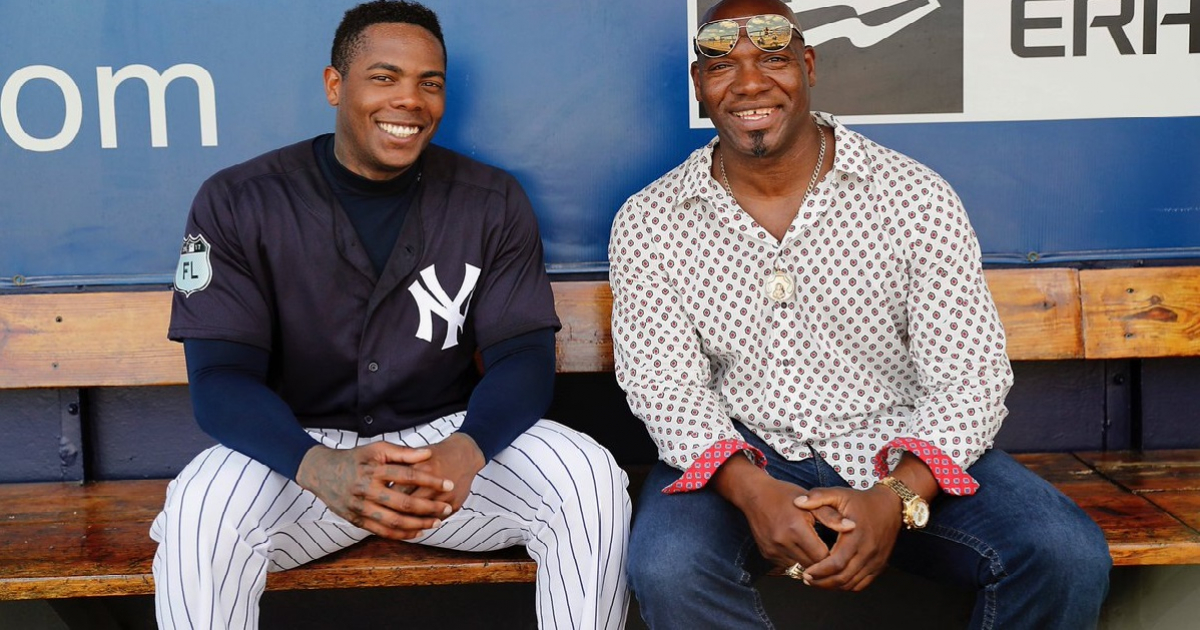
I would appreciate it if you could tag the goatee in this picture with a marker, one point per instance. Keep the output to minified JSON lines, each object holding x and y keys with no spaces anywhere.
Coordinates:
{"x":759,"y":148}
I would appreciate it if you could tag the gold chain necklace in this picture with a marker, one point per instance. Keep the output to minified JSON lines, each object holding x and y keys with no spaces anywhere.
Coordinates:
{"x":781,"y":287}
{"x":812,"y":181}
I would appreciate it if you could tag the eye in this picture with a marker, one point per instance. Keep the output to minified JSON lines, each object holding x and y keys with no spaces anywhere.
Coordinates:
{"x":381,"y":78}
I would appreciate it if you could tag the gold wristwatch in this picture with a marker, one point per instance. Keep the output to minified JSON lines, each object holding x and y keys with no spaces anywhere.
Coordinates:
{"x":913,"y":508}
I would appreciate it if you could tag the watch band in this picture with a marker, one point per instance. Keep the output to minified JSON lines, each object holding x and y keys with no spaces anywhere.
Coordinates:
{"x":914,"y":511}
{"x":897,"y":486}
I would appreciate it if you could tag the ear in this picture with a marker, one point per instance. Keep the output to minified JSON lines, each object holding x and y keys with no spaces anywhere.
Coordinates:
{"x":333,"y":86}
{"x":696,"y":79}
{"x":810,"y":61}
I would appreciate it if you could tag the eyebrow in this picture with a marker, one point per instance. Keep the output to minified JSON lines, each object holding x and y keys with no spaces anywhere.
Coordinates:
{"x":398,"y":70}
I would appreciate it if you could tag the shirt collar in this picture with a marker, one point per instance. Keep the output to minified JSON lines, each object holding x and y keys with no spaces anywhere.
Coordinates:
{"x":849,"y":157}
{"x":697,"y":174}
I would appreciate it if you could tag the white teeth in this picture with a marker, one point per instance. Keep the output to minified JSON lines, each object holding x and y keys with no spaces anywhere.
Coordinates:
{"x":753,"y":114}
{"x":400,"y":131}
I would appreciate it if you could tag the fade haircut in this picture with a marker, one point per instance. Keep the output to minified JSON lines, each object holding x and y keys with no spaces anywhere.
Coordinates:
{"x":348,"y":41}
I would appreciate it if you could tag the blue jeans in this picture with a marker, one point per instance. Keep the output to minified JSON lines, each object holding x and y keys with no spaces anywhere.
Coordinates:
{"x":1033,"y":558}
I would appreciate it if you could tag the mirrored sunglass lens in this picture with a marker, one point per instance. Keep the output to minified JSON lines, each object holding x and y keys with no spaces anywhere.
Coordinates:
{"x":769,"y":32}
{"x":717,"y":38}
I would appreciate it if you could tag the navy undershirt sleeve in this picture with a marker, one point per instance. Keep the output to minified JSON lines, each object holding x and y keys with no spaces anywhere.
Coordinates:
{"x":233,"y":404}
{"x":515,"y":391}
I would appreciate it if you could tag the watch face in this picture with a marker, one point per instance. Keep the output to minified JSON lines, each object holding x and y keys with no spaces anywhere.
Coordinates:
{"x":920,"y":514}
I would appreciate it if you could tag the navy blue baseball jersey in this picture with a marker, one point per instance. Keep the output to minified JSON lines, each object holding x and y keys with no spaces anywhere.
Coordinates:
{"x":271,"y":260}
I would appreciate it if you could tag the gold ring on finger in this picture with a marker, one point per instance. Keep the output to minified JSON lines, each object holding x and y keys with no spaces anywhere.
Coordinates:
{"x":796,"y":572}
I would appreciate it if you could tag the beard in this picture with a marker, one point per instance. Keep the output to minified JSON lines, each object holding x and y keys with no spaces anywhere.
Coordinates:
{"x":758,"y":148}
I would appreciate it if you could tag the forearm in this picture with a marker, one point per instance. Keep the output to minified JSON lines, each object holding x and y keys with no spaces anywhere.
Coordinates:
{"x":516,"y":390}
{"x":233,"y":404}
{"x":956,"y":338}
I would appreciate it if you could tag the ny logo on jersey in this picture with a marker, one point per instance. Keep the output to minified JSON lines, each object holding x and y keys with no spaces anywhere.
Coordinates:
{"x":432,"y":299}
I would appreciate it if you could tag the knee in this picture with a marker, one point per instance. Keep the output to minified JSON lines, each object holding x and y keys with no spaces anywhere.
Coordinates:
{"x":597,"y":483}
{"x":204,"y":499}
{"x":1084,"y":557}
{"x":1069,"y":556}
{"x":665,"y":564}
{"x":650,"y":574}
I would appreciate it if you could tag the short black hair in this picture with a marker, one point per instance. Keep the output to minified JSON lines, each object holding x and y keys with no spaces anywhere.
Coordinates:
{"x":348,"y":40}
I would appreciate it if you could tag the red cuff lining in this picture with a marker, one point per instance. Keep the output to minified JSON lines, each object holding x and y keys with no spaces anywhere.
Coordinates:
{"x":701,"y":471}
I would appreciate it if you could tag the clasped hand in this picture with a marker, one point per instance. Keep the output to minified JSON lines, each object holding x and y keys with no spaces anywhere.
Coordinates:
{"x":861,"y":551}
{"x":393,"y":491}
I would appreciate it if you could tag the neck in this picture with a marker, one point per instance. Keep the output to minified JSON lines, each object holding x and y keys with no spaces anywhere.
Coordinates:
{"x":780,"y":174}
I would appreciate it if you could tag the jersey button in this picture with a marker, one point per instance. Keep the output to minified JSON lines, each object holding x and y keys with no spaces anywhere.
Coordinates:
{"x":368,"y":419}
{"x":372,"y":367}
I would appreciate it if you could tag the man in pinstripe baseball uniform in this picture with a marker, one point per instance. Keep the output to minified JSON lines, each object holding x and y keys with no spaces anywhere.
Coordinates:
{"x":331,"y":297}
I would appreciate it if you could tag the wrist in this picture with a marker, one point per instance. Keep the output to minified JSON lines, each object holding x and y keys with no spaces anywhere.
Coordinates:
{"x":738,"y":481}
{"x":310,"y":464}
{"x":888,"y":502}
{"x":916,"y":475}
{"x":467,"y":449}
{"x":913,"y":509}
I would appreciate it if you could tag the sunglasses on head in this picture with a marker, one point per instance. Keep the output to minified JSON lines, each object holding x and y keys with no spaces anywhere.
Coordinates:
{"x":769,"y":32}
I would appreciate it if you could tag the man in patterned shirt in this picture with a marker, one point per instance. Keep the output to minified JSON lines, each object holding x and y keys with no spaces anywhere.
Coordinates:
{"x":801,"y":319}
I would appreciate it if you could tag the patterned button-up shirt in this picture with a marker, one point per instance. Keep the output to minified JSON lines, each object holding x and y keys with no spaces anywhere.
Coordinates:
{"x":890,"y":341}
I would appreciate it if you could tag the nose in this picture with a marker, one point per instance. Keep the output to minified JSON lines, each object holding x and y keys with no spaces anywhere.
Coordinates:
{"x":407,"y":95}
{"x":749,"y":79}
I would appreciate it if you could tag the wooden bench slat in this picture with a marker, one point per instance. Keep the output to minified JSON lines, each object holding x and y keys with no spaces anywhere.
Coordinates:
{"x":1182,"y":504}
{"x":118,"y":339}
{"x":87,"y":340}
{"x":1145,"y":312}
{"x":1059,"y":469}
{"x":1169,"y":479}
{"x":379,"y":562}
{"x":1040,"y":310}
{"x":1149,"y":471}
{"x":115,"y":559}
{"x":585,"y":342}
{"x":96,"y":542}
{"x":1139,"y":532}
{"x":95,"y":502}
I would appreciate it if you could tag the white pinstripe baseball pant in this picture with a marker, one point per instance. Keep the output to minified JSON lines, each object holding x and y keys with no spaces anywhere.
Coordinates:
{"x":228,"y":520}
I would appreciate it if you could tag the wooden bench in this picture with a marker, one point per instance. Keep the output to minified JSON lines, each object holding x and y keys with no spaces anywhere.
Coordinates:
{"x":60,"y":540}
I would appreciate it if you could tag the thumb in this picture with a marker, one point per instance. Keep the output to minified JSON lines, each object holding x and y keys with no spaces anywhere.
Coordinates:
{"x":833,"y":519}
{"x":394,"y":454}
{"x":817,"y":497}
{"x":825,"y":506}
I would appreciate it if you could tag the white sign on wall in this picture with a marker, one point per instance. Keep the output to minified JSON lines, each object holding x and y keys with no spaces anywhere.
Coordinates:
{"x":897,"y":61}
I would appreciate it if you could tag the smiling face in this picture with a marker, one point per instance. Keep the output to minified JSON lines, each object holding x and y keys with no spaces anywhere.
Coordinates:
{"x":757,"y":100}
{"x":390,"y":100}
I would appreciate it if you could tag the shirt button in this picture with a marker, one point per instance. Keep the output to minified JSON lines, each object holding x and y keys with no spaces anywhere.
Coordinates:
{"x":368,"y":419}
{"x":372,"y":367}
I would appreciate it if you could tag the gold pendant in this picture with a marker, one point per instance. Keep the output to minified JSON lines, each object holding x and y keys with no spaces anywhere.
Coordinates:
{"x":780,"y":287}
